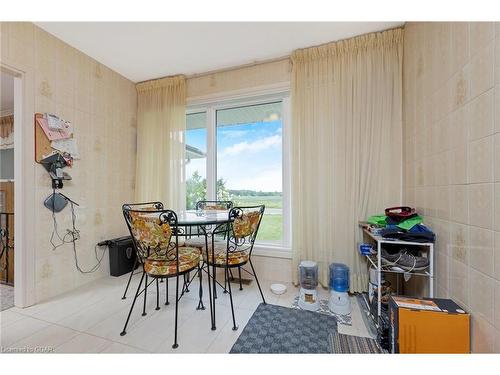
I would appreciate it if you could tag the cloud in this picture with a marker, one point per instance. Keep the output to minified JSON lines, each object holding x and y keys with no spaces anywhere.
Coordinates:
{"x":233,"y":133}
{"x":269,"y":179}
{"x":252,"y":147}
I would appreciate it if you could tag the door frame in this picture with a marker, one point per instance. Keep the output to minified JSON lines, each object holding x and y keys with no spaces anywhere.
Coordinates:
{"x":24,"y":192}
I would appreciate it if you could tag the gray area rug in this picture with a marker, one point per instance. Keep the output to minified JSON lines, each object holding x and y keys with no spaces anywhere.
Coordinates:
{"x":6,"y":297}
{"x":278,"y":329}
{"x":345,"y":320}
{"x":347,"y":344}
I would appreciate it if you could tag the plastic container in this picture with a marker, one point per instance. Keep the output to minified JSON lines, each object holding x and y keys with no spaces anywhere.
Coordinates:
{"x":339,"y":303}
{"x":278,"y":288}
{"x":365,"y":248}
{"x":308,"y":274}
{"x":339,"y":277}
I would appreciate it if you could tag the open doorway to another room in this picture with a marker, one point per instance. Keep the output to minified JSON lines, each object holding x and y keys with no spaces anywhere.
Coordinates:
{"x":6,"y":191}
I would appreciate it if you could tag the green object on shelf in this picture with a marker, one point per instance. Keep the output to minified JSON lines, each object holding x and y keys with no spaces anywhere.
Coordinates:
{"x":410,"y":223}
{"x":380,"y":220}
{"x":377,"y":220}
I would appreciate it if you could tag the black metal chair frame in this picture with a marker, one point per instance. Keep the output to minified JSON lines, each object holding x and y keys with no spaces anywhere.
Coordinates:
{"x":234,"y":244}
{"x":168,"y":217}
{"x":159,"y":206}
{"x":156,"y":205}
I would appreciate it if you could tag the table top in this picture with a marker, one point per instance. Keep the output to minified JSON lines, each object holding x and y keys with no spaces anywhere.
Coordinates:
{"x":205,"y":217}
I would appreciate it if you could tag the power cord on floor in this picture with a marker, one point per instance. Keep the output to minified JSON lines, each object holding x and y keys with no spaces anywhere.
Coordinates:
{"x":71,"y":236}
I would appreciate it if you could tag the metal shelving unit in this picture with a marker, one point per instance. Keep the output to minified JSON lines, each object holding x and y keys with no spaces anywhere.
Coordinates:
{"x":376,"y":261}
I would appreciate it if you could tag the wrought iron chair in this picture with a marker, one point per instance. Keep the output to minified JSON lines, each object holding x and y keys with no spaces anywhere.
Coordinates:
{"x":199,"y":242}
{"x":241,"y":233}
{"x":140,"y":206}
{"x":155,"y":233}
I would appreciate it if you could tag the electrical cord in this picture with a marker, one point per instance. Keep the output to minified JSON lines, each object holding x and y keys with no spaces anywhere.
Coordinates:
{"x":74,"y":235}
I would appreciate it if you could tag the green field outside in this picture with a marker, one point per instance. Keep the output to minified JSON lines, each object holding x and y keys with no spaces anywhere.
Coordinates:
{"x":271,"y":227}
{"x":268,"y":201}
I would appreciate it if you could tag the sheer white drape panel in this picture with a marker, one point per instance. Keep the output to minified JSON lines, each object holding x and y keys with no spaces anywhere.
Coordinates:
{"x":346,"y":146}
{"x":161,"y":124}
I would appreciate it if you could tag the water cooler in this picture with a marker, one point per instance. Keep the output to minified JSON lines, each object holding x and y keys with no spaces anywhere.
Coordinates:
{"x":308,"y":275}
{"x":339,"y":286}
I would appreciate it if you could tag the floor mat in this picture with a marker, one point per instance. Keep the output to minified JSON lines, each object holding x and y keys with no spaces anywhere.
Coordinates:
{"x":278,"y":329}
{"x":346,"y":344}
{"x":345,"y":320}
{"x":6,"y":297}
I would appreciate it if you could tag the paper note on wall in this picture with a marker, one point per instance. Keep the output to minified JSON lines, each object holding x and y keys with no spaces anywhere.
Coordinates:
{"x":66,"y":146}
{"x":52,"y":135}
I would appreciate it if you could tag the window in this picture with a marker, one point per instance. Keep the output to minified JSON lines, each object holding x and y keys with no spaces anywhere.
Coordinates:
{"x":238,"y":151}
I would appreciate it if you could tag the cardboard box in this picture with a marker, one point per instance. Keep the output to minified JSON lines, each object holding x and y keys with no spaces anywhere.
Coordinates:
{"x":429,"y":325}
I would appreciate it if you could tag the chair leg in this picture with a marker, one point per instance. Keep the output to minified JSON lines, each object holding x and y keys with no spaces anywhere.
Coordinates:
{"x":239,"y":274}
{"x":157,"y":295}
{"x":130,"y":278}
{"x":231,"y":299}
{"x":176,"y":311}
{"x":145,"y":294}
{"x":166,"y":292}
{"x":225,"y":282}
{"x":256,"y":279}
{"x":215,"y":278}
{"x":185,"y":288}
{"x":211,"y":302}
{"x":200,"y":291}
{"x":124,"y":332}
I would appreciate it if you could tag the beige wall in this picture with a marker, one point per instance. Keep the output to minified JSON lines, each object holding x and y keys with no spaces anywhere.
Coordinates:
{"x":452,"y":160}
{"x":102,"y":106}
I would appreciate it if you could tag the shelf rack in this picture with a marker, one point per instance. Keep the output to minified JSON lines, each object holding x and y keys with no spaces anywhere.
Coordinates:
{"x":376,"y":261}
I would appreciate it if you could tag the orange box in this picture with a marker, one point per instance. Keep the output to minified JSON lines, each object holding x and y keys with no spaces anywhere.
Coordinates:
{"x":430,"y":325}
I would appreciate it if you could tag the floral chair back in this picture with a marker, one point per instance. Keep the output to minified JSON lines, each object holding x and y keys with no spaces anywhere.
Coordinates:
{"x":154,"y":230}
{"x":245,"y":223}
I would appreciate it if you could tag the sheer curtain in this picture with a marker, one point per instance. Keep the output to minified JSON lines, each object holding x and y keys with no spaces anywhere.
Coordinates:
{"x":347,"y":146}
{"x":161,"y":124}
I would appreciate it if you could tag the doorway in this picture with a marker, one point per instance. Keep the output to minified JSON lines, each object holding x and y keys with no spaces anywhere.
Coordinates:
{"x":7,"y":182}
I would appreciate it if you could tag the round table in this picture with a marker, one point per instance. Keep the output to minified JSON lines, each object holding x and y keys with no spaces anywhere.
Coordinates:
{"x":202,"y":218}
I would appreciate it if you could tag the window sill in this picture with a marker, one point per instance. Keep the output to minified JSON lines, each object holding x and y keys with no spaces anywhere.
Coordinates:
{"x":272,"y":251}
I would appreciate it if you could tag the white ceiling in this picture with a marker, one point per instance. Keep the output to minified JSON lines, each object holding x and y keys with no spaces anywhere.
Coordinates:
{"x":147,"y":50}
{"x":6,"y":92}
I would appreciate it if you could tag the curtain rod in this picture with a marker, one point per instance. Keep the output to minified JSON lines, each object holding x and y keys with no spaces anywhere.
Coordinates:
{"x":196,"y":75}
{"x":249,"y":65}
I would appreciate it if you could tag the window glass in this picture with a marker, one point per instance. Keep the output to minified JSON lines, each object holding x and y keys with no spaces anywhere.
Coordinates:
{"x":196,"y":158}
{"x":249,"y":162}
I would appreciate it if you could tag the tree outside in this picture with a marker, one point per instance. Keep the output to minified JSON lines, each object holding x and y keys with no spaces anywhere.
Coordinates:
{"x":271,"y":228}
{"x":196,"y":190}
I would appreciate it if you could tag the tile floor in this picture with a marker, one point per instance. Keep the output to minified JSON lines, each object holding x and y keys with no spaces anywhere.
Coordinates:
{"x":90,"y":319}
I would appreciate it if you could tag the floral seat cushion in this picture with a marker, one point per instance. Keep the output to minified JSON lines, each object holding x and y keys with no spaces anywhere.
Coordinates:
{"x":159,"y":265}
{"x":234,"y":258}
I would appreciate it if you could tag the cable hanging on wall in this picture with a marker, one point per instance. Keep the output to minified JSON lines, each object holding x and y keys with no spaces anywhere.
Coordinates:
{"x":72,"y":235}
